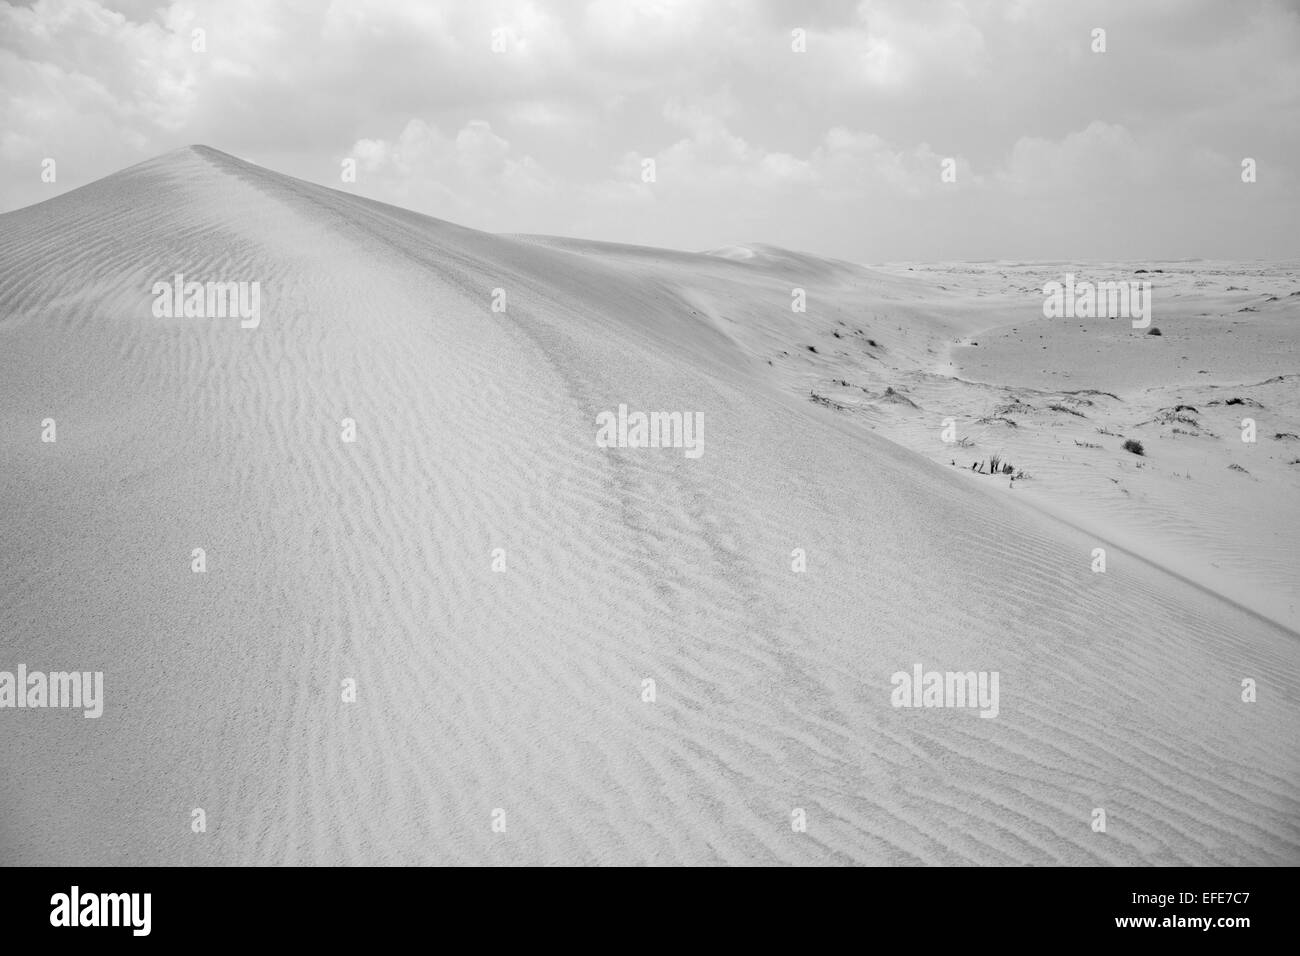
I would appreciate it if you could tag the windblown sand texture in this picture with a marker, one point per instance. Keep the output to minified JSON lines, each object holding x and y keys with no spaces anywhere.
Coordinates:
{"x":522,"y":690}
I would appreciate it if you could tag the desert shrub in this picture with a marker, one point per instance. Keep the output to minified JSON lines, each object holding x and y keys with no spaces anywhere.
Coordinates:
{"x":996,"y":466}
{"x":1067,"y":410}
{"x":823,"y":400}
{"x":1134,"y":446}
{"x":1154,"y":330}
{"x":1014,"y":407}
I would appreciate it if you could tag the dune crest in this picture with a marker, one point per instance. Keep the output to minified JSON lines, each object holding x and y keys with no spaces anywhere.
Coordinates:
{"x":498,"y":587}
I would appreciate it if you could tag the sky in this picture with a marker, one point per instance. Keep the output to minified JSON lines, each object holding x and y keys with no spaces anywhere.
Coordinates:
{"x":871,"y":132}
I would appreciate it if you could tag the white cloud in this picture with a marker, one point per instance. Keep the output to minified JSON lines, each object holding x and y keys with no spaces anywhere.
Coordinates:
{"x":752,"y":140}
{"x":467,"y":173}
{"x":1102,"y":156}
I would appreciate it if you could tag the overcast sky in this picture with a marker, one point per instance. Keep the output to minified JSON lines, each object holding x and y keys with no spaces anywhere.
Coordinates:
{"x":1060,"y":152}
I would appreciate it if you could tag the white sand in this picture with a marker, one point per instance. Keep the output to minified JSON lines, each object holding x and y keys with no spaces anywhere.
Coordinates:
{"x":522,"y":690}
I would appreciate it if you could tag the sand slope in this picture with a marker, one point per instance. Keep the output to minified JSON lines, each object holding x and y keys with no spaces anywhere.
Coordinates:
{"x":522,"y":690}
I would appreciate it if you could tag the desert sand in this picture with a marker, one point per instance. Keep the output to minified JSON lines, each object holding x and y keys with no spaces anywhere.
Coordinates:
{"x":521,"y":690}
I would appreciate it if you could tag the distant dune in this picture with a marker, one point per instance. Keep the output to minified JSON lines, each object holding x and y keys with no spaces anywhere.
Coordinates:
{"x":514,"y":680}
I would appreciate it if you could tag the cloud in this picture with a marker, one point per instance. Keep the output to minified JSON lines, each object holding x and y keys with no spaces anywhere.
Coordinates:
{"x":713,"y":161}
{"x":889,"y":47}
{"x":752,"y":140}
{"x":1098,"y":158}
{"x":76,"y":75}
{"x":465,"y":174}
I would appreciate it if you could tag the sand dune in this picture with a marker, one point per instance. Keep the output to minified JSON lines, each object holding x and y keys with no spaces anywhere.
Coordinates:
{"x":522,"y":690}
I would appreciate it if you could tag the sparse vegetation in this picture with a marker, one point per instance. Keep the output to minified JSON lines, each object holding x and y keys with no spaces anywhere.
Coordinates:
{"x":1086,"y":444}
{"x":996,"y":466}
{"x":897,"y":398}
{"x":1091,"y":391}
{"x":1154,"y":330}
{"x":828,"y":402}
{"x":1281,"y":435}
{"x":1057,"y":407}
{"x":1107,"y":431}
{"x":1239,"y":401}
{"x":1169,"y":415}
{"x":1134,"y":446}
{"x":1014,"y":407}
{"x":1236,"y":467}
